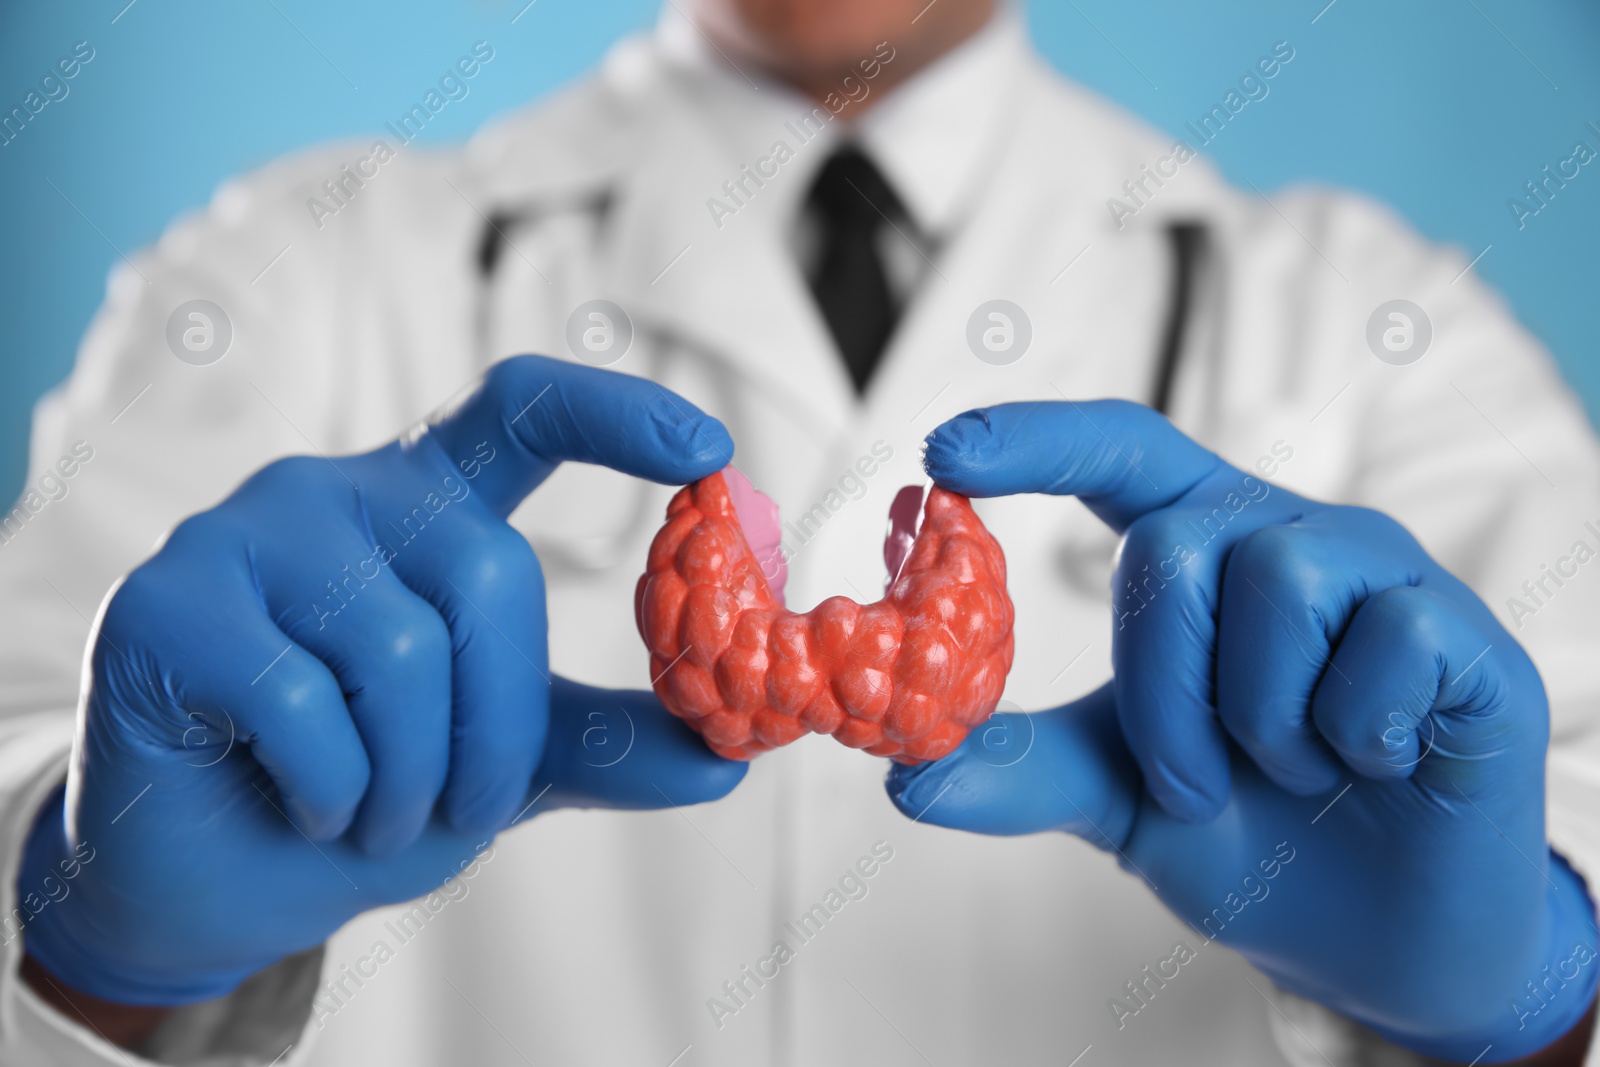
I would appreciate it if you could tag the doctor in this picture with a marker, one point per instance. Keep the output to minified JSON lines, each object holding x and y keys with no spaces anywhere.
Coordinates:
{"x":1330,"y":826}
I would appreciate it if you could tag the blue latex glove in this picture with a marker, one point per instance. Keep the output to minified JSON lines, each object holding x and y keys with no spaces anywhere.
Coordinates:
{"x":364,"y":637}
{"x":1292,"y":681}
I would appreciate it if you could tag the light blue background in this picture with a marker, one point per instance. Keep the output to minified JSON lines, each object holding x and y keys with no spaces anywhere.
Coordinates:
{"x":1442,"y":107}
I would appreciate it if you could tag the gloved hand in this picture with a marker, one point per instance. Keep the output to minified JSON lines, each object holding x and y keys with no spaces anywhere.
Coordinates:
{"x":1318,"y":747}
{"x":330,"y":691}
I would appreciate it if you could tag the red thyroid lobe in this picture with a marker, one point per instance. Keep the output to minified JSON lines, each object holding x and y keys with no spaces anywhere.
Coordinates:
{"x":906,"y":677}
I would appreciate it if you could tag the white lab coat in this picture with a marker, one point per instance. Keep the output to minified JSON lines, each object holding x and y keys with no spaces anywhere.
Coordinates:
{"x":599,"y":938}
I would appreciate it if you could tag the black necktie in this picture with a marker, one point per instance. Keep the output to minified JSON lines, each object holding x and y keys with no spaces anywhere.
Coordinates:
{"x":852,"y":202}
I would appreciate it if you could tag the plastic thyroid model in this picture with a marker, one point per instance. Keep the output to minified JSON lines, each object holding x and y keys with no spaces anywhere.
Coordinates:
{"x":906,"y":677}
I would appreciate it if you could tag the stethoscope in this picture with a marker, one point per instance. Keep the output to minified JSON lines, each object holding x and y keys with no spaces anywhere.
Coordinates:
{"x":1188,"y":242}
{"x":1190,"y":251}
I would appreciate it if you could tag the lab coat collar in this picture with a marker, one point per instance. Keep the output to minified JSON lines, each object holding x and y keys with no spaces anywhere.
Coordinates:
{"x":684,"y":262}
{"x":909,"y":132}
{"x":922,"y":132}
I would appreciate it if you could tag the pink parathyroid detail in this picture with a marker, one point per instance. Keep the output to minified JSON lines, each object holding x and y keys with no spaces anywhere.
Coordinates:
{"x":905,"y":517}
{"x":763,"y":530}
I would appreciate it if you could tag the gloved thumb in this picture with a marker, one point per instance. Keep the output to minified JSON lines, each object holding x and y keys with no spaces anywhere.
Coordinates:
{"x":1122,"y":459}
{"x":619,"y":748}
{"x":532,"y":413}
{"x":1066,"y":769}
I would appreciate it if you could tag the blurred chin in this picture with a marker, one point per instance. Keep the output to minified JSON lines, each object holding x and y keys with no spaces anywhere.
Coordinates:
{"x":799,"y":34}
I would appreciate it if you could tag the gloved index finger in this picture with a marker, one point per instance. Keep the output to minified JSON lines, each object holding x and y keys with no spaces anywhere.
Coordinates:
{"x":1122,"y":459}
{"x":532,"y":413}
